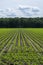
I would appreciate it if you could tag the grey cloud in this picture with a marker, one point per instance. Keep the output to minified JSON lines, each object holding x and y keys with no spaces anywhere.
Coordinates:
{"x":22,"y":11}
{"x":1,"y":10}
{"x":11,"y":15}
{"x":7,"y":12}
{"x":35,"y":9}
{"x":29,"y":10}
{"x":8,"y":9}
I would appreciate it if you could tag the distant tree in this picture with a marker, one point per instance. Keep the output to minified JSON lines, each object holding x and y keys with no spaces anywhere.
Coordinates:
{"x":21,"y":22}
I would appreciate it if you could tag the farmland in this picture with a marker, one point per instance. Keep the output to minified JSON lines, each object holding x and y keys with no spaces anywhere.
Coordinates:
{"x":21,"y":46}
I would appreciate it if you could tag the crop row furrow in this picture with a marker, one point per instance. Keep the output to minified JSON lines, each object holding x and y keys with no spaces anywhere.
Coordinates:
{"x":12,"y":42}
{"x":5,"y":44}
{"x":35,"y":42}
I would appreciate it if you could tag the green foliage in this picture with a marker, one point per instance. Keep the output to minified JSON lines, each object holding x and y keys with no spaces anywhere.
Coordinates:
{"x":21,"y":46}
{"x":21,"y":22}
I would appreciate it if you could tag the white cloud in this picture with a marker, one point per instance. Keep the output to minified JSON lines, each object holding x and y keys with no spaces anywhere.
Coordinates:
{"x":29,"y":10}
{"x":7,"y":12}
{"x":35,"y":10}
{"x":21,"y":11}
{"x":34,"y":4}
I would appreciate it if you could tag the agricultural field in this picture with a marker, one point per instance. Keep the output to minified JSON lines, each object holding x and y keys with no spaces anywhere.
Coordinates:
{"x":21,"y":46}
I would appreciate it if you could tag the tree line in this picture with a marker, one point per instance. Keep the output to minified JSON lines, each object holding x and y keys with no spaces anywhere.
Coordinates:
{"x":21,"y":22}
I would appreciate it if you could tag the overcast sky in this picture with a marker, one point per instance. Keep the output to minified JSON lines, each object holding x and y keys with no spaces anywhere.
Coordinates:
{"x":21,"y":8}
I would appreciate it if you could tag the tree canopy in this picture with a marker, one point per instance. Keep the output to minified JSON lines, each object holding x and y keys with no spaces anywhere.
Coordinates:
{"x":21,"y":22}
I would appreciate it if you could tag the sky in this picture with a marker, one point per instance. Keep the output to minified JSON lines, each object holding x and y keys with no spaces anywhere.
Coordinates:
{"x":21,"y":8}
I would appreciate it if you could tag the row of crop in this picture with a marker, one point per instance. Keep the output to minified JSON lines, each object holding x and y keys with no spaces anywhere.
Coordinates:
{"x":20,"y":48}
{"x":36,"y":43}
{"x":6,"y":43}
